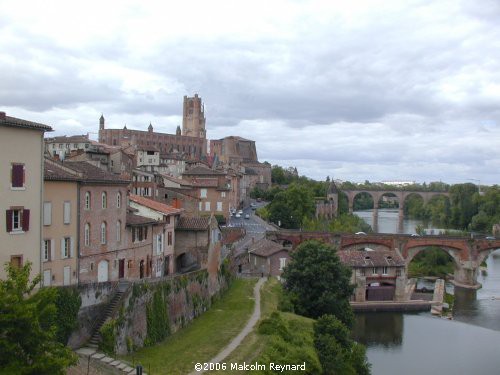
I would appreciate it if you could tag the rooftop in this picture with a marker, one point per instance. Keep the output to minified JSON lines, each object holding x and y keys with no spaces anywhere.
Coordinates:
{"x":91,"y":173}
{"x":376,"y":258}
{"x":68,"y":139}
{"x":154,"y":205}
{"x":202,"y":171}
{"x":19,"y":123}
{"x":55,"y":171}
{"x":134,"y":220}
{"x":193,"y":223}
{"x":265,"y":248}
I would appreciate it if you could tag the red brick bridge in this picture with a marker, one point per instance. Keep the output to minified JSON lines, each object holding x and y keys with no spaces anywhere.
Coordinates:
{"x":467,"y":253}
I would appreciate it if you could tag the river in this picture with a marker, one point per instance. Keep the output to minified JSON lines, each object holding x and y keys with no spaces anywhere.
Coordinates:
{"x":422,"y":344}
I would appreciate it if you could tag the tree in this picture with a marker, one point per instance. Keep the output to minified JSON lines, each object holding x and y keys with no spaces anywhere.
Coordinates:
{"x":28,"y":330}
{"x":317,"y":283}
{"x":337,"y":352}
{"x":291,"y":205}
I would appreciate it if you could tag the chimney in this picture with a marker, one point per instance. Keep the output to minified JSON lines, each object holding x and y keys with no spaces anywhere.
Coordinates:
{"x":2,"y":116}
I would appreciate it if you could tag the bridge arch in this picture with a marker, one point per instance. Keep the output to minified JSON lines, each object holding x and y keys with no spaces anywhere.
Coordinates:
{"x":453,"y":252}
{"x":354,"y":195}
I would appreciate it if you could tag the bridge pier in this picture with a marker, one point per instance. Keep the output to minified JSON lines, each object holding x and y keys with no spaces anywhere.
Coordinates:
{"x":375,"y":217}
{"x":401,"y":216}
{"x":465,"y":276}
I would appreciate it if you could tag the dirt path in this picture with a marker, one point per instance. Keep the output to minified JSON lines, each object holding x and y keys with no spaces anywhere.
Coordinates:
{"x":244,"y":332}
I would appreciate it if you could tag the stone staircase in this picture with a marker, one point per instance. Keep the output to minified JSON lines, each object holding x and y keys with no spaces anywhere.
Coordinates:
{"x":110,"y":309}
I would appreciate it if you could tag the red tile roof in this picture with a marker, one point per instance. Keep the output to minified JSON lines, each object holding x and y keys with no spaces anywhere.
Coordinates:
{"x":202,"y":171}
{"x":154,"y":205}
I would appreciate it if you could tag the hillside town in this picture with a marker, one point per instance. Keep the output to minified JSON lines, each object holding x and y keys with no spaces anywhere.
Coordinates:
{"x":123,"y":207}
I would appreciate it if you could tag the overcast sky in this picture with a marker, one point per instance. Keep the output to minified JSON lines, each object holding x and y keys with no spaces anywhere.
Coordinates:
{"x":354,"y":90}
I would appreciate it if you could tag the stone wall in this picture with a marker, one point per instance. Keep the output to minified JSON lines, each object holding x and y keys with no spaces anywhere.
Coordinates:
{"x":152,"y":310}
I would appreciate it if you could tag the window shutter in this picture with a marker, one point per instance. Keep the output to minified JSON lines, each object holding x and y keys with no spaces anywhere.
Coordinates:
{"x":17,"y":175}
{"x":26,"y":220}
{"x":52,"y":249}
{"x":67,"y":212}
{"x":8,"y":220}
{"x":71,"y":247}
{"x":43,"y":250}
{"x":62,"y":248}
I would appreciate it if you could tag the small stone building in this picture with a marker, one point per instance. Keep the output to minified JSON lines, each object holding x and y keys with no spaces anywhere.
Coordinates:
{"x":266,"y":257}
{"x":378,"y":275}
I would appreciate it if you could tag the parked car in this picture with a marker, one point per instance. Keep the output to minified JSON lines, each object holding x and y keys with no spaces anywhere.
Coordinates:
{"x":247,"y":216}
{"x":238,"y":215}
{"x":360,"y":233}
{"x":240,"y":212}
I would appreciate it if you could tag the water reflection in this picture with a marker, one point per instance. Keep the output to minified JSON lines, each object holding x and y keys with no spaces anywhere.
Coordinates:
{"x":379,"y":329}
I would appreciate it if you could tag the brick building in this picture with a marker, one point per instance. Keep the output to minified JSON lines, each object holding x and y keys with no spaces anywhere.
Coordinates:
{"x":103,"y":216}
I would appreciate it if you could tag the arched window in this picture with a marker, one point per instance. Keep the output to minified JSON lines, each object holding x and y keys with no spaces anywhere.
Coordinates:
{"x":87,"y":200}
{"x":103,"y":233}
{"x":118,"y":200}
{"x":104,"y":200}
{"x":87,"y":234}
{"x":118,"y":231}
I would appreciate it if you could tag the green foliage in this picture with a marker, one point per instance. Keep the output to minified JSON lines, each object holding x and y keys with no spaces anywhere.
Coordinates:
{"x":291,"y":206}
{"x":157,"y":319}
{"x":221,"y":220}
{"x":463,"y":205}
{"x":345,"y":223}
{"x":432,"y":261}
{"x":318,"y":283}
{"x":337,"y":352}
{"x":290,"y":342}
{"x":68,"y":302}
{"x":108,"y":337}
{"x":262,"y":212}
{"x":28,"y":330}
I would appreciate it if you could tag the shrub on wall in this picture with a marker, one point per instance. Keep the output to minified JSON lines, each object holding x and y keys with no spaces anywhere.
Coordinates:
{"x":68,"y":302}
{"x":157,"y":319}
{"x":107,"y":344}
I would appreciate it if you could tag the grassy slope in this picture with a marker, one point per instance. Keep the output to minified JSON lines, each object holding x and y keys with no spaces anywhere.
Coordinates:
{"x":204,"y":337}
{"x":255,"y":344}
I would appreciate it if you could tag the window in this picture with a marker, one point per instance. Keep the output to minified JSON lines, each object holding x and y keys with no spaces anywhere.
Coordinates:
{"x":87,"y":200}
{"x":65,"y":247}
{"x":75,"y":145}
{"x":223,"y":194}
{"x":87,"y":234}
{"x":118,"y":200}
{"x":91,"y":266}
{"x":374,"y":270}
{"x":384,"y":270}
{"x":16,"y":261}
{"x":362,"y":271}
{"x":139,"y":234}
{"x":398,"y":272}
{"x":104,"y":199}
{"x":17,"y":220}
{"x":103,"y":233}
{"x":118,"y":231}
{"x":47,"y":248}
{"x":282,"y":263}
{"x":167,"y":219}
{"x":203,"y":193}
{"x":207,"y":206}
{"x":47,"y":213}
{"x":17,"y":176}
{"x":219,"y":206}
{"x":200,"y":206}
{"x":130,"y":263}
{"x":67,"y":212}
{"x":159,"y":243}
{"x":169,"y":239}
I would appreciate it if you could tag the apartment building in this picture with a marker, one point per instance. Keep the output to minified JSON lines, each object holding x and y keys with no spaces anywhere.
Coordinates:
{"x":21,"y":192}
{"x":60,"y":225}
